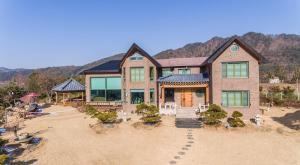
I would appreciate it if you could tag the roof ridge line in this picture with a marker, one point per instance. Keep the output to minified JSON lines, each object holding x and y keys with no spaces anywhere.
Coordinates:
{"x":70,"y":80}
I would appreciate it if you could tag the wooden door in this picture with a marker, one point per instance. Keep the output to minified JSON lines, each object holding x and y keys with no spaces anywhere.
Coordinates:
{"x":186,"y":98}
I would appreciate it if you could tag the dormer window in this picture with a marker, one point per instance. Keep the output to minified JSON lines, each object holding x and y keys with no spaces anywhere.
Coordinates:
{"x":234,"y":47}
{"x":136,"y":57}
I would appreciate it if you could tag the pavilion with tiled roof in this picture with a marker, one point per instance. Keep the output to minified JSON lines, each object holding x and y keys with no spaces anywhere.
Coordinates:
{"x":67,"y":87}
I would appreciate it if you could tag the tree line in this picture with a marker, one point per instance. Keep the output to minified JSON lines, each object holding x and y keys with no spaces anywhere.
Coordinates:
{"x":35,"y":82}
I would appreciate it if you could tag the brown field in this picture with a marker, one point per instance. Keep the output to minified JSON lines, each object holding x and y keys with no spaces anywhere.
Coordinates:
{"x":69,"y":138}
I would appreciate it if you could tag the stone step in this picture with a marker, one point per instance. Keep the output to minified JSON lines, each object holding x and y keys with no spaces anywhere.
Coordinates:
{"x":188,"y":123}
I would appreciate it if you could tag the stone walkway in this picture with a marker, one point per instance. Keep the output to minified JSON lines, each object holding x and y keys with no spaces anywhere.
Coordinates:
{"x":184,"y":150}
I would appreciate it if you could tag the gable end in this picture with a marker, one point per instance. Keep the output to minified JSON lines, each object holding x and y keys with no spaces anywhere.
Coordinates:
{"x":136,"y":49}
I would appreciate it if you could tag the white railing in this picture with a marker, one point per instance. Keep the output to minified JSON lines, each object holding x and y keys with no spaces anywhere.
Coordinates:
{"x":203,"y":107}
{"x":167,"y":108}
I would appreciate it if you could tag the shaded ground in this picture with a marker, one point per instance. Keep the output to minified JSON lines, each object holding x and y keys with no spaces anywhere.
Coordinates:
{"x":290,"y":120}
{"x":70,"y":139}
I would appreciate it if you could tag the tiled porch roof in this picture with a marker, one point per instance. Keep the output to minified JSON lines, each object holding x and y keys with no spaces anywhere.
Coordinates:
{"x":184,"y":78}
{"x":70,"y":85}
{"x":179,"y":62}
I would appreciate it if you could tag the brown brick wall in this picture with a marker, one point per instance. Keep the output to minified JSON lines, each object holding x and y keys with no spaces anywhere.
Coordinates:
{"x":252,"y":83}
{"x":146,"y":85}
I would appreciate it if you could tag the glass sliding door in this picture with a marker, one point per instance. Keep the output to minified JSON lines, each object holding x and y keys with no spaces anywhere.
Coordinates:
{"x":98,"y":89}
{"x":137,"y":96}
{"x":105,"y":88}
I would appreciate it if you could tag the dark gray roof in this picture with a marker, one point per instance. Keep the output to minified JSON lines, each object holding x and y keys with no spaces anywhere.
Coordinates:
{"x":112,"y":66}
{"x":70,"y":85}
{"x":187,"y":78}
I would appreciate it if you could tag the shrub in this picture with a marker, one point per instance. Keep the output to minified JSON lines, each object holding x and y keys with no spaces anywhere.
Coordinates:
{"x":275,"y":89}
{"x":3,"y":141}
{"x":213,"y":115}
{"x":107,"y":116}
{"x":237,"y":114}
{"x":3,"y":159}
{"x":150,"y":113}
{"x":140,"y":108}
{"x":235,"y":121}
{"x":277,"y":101}
{"x":90,"y":110}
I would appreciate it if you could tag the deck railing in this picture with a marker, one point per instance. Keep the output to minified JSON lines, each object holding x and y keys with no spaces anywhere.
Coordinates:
{"x":168,"y":108}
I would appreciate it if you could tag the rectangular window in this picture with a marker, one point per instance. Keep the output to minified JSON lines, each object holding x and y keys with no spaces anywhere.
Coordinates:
{"x":200,"y":92}
{"x":151,"y":73}
{"x":184,"y":71}
{"x":235,"y":70}
{"x":105,"y":88}
{"x":235,"y":98}
{"x":137,"y":74}
{"x":137,"y":96}
{"x":152,"y":95}
{"x":166,"y":72}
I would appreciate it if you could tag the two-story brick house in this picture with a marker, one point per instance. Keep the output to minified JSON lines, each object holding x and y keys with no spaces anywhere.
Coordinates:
{"x":229,"y":77}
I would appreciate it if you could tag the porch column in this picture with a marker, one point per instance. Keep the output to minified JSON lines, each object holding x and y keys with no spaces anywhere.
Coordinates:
{"x":63,"y":98}
{"x":206,"y":95}
{"x":162,"y":95}
{"x":56,"y":98}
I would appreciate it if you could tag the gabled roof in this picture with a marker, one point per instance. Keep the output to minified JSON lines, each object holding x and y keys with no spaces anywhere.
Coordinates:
{"x":227,"y":43}
{"x":135,"y":48}
{"x":181,"y":62}
{"x":112,"y":66}
{"x":186,"y":78}
{"x":70,"y":85}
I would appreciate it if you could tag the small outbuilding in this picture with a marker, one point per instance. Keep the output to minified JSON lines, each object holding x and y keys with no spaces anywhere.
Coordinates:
{"x":69,"y":87}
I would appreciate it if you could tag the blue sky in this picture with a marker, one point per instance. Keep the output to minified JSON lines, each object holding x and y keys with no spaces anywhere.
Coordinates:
{"x":43,"y":33}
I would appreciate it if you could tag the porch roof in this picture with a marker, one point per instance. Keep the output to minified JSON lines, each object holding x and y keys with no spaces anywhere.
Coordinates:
{"x":184,"y":78}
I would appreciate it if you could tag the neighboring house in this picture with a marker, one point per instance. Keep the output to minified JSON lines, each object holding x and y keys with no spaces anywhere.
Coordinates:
{"x":274,"y":80}
{"x":229,"y":77}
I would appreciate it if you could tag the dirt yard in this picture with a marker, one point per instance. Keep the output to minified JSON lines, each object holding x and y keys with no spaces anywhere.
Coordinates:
{"x":69,"y":139}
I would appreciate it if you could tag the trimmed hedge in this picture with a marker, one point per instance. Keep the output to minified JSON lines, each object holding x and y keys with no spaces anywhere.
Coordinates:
{"x":150,"y":113}
{"x":235,"y":121}
{"x":213,"y":115}
{"x":109,"y":116}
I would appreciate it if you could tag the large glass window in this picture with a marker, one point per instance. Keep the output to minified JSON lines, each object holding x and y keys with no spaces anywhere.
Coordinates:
{"x":235,"y":98}
{"x":184,"y":71}
{"x":105,"y":88}
{"x":152,"y":95}
{"x":98,"y":89}
{"x":137,"y":96}
{"x":137,"y":74}
{"x":136,"y":57}
{"x":235,"y":70}
{"x":166,"y":72}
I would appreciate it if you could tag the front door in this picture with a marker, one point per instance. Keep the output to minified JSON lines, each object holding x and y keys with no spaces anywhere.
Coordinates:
{"x":186,"y":98}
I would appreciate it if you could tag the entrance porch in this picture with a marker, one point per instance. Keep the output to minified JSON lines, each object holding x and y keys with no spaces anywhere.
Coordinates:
{"x":182,"y":92}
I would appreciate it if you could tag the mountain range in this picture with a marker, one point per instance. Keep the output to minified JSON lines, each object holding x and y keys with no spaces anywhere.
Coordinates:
{"x":281,"y":49}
